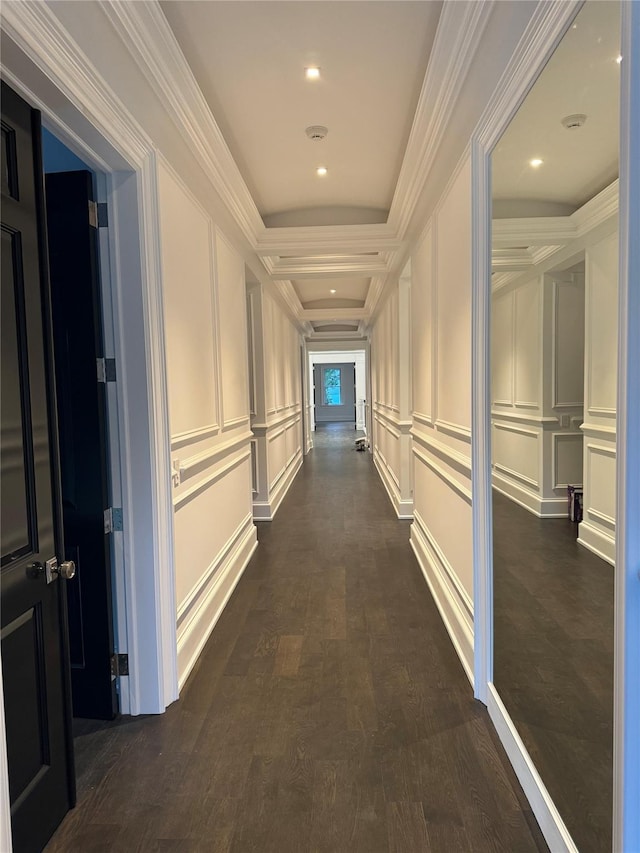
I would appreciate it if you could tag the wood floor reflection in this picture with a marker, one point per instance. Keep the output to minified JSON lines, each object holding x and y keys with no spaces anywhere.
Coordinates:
{"x":328,"y":713}
{"x":553,"y":662}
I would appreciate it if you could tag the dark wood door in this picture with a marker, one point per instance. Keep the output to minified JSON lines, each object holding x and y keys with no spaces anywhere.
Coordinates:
{"x":78,"y":342}
{"x":34,"y":641}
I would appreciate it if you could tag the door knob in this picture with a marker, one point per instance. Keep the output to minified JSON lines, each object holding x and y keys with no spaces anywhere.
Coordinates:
{"x":52,"y":570}
{"x":67,"y":570}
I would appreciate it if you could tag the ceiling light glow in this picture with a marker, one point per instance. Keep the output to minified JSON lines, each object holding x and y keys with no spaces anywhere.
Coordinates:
{"x":332,"y":291}
{"x":619,"y":59}
{"x":321,"y":171}
{"x":312,"y":73}
{"x":536,"y":162}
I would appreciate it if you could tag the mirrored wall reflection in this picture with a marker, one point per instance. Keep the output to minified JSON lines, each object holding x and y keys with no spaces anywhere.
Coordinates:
{"x":553,"y":365}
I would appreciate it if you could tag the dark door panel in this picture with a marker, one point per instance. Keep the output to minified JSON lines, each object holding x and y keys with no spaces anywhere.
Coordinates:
{"x":77,"y":321}
{"x":33,"y":625}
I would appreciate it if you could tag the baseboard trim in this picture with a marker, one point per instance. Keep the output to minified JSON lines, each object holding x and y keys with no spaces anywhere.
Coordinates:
{"x":551,"y":824}
{"x":454,"y":611}
{"x":598,"y":542}
{"x":403,"y":508}
{"x":266,"y":510}
{"x":203,"y":616}
{"x":541,"y":508}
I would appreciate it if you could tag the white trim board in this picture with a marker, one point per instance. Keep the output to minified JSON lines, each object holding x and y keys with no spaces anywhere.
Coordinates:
{"x":266,"y":510}
{"x":551,"y":824}
{"x":403,"y":508}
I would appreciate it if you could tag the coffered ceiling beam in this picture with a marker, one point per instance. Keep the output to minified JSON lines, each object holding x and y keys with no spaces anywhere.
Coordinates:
{"x":346,"y":314}
{"x":327,"y":240}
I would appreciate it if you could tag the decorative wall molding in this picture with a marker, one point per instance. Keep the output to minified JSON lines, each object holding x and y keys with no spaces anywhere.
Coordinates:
{"x":194,"y":464}
{"x":601,"y":411}
{"x":201,"y":610}
{"x":452,"y":600}
{"x":421,"y":418}
{"x":516,"y":475}
{"x":560,"y":438}
{"x":532,"y":501}
{"x":546,"y":422}
{"x":449,"y":454}
{"x":266,"y":510}
{"x":456,"y":430}
{"x":403,"y":508}
{"x":181,"y":439}
{"x":600,"y":542}
{"x":598,"y":429}
{"x":212,"y":477}
{"x":519,"y":430}
{"x":454,"y":484}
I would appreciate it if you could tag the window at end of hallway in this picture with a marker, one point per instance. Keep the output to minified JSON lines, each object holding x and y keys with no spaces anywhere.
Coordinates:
{"x":332,"y":389}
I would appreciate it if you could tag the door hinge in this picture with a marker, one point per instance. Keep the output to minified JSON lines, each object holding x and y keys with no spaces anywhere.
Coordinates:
{"x":93,"y":214}
{"x":119,"y":665}
{"x":103,"y":215}
{"x":112,"y":519}
{"x":106,"y":368}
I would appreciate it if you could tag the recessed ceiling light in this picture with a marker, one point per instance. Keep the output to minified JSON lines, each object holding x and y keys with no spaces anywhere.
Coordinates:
{"x":536,"y":162}
{"x":321,"y":171}
{"x":312,"y":73}
{"x":332,"y":291}
{"x":619,"y":59}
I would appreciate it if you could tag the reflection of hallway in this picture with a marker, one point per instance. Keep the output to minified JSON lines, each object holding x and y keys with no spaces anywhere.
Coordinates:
{"x":328,"y":712}
{"x":553,"y":652}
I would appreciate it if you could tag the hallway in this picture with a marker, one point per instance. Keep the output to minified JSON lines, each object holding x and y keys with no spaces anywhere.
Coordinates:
{"x":328,"y":711}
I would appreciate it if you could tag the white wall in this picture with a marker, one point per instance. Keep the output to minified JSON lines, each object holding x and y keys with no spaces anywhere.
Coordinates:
{"x":276,"y":394}
{"x":597,"y":530}
{"x":208,"y":397}
{"x":391,"y":395}
{"x":537,"y":363}
{"x":441,"y":534}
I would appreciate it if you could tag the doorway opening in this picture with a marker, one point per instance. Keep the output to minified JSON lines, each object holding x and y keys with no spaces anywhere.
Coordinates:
{"x":83,"y":335}
{"x":337,"y":391}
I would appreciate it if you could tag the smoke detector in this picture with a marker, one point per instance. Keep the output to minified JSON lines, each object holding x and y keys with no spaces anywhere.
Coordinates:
{"x":316,"y":131}
{"x":574,"y":121}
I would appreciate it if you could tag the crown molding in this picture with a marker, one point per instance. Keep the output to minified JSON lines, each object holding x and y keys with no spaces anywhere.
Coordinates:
{"x":331,"y":336}
{"x":333,"y":267}
{"x":535,"y":231}
{"x":42,"y":38}
{"x":290,"y":297}
{"x":598,"y":210}
{"x":546,"y":237}
{"x":556,"y":230}
{"x":144,"y":30}
{"x":457,"y":40}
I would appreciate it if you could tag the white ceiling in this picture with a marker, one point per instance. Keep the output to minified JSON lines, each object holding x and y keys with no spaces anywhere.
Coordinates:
{"x":249,"y":60}
{"x":582,"y":76}
{"x":316,"y":293}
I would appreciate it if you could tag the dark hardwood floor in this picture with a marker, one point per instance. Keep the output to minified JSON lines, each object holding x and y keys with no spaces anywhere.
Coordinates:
{"x":327,"y":713}
{"x":553,"y":662}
